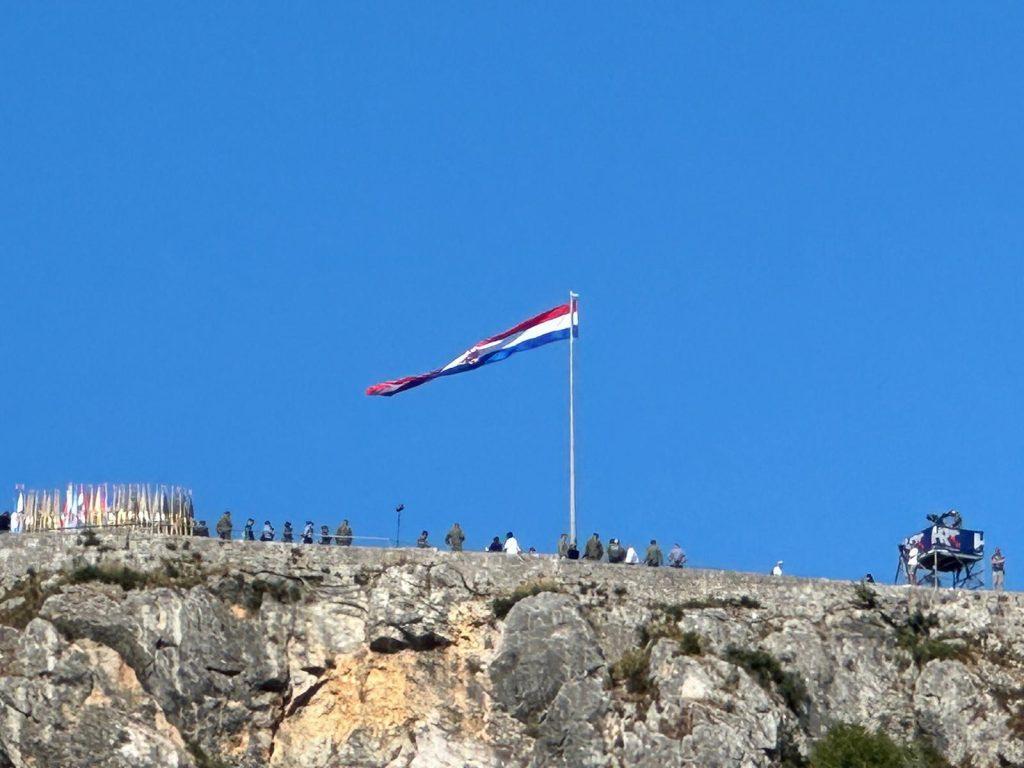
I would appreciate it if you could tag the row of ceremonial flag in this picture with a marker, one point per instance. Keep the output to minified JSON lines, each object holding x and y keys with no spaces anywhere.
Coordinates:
{"x":162,"y":507}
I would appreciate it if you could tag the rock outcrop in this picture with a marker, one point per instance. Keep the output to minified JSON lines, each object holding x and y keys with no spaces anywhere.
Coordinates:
{"x":160,"y":651}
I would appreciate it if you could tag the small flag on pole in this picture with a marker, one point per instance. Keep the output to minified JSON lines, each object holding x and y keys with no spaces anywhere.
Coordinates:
{"x":553,"y":325}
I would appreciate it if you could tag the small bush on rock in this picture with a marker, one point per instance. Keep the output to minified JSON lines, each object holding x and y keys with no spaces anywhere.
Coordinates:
{"x":864,"y":597}
{"x":767,"y":672}
{"x":690,"y":644}
{"x":852,"y":746}
{"x":502,"y":605}
{"x":915,"y":638}
{"x":676,"y":610}
{"x":124,"y":577}
{"x":634,"y":669}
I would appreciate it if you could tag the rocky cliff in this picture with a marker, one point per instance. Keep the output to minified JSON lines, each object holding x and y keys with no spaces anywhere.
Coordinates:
{"x":159,"y":651}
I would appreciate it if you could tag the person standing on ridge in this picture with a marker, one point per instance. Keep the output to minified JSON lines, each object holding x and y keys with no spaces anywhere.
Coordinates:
{"x":631,"y":557}
{"x":201,"y":529}
{"x":454,"y":538}
{"x":563,"y":545}
{"x":495,"y":545}
{"x":325,"y":534}
{"x":247,"y":533}
{"x":307,"y":532}
{"x":286,"y":533}
{"x":653,"y":557}
{"x":224,"y":525}
{"x":421,"y":542}
{"x":511,"y":546}
{"x":913,"y":556}
{"x":268,"y":531}
{"x":998,"y":570}
{"x":777,"y":568}
{"x":343,"y":536}
{"x":594,"y":549}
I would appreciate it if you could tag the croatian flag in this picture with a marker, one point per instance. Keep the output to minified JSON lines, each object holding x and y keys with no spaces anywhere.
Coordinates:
{"x":553,"y":325}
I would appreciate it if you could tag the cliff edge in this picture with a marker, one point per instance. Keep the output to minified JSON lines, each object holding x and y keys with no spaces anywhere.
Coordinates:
{"x":145,"y":650}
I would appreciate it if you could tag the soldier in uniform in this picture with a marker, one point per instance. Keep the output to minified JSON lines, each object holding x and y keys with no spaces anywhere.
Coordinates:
{"x":224,"y":525}
{"x":594,"y":549}
{"x":653,"y":557}
{"x":343,"y":535}
{"x":455,"y":537}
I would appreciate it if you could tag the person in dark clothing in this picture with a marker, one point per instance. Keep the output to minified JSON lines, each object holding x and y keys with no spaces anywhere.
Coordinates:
{"x":594,"y":549}
{"x":5,"y":522}
{"x":495,"y":545}
{"x":998,"y":570}
{"x":247,"y":533}
{"x":325,"y":534}
{"x":653,"y":557}
{"x":307,"y":532}
{"x":343,"y":536}
{"x":224,"y":525}
{"x":455,"y":537}
{"x":267,"y":534}
{"x":869,"y":579}
{"x":286,"y":533}
{"x":421,"y":542}
{"x":201,"y":529}
{"x":616,"y":552}
{"x":573,"y":552}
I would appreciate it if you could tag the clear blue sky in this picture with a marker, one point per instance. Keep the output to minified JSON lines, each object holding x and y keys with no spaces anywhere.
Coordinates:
{"x":796,"y":231}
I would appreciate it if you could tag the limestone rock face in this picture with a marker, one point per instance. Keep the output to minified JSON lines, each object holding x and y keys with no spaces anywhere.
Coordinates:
{"x":160,"y":651}
{"x":546,"y":644}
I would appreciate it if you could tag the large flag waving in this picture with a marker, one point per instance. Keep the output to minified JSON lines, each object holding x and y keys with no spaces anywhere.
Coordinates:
{"x":553,"y":325}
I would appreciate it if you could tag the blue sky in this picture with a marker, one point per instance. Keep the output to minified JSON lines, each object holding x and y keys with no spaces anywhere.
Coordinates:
{"x":795,"y":230}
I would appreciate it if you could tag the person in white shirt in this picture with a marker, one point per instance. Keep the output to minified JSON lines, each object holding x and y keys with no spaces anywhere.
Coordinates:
{"x":631,"y":557}
{"x":511,"y":546}
{"x":777,"y":568}
{"x":912,"y":561}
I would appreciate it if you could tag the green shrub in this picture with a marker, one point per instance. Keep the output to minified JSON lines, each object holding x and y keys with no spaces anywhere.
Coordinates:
{"x":914,"y":637}
{"x":32,"y":596}
{"x":281,"y":590}
{"x":124,"y":577}
{"x":864,"y":597}
{"x":202,"y":759}
{"x":767,"y":672}
{"x":655,"y":630}
{"x":634,"y":669}
{"x":502,"y":605}
{"x":852,"y":746}
{"x":690,"y":644}
{"x":675,"y":610}
{"x":129,"y":579}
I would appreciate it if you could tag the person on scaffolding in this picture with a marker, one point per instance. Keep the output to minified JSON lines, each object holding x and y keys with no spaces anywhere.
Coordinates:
{"x":913,"y":557}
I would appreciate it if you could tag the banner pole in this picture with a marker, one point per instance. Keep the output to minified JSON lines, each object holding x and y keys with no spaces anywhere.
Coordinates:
{"x":572,"y":422}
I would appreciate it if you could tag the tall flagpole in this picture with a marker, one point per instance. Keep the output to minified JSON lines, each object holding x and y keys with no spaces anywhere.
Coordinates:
{"x":572,"y":423}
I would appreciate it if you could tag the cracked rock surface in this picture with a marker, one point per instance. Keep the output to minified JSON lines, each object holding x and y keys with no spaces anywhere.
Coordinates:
{"x":159,"y":651}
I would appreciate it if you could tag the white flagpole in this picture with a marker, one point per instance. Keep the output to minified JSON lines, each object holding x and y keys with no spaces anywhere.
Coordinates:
{"x":572,"y":423}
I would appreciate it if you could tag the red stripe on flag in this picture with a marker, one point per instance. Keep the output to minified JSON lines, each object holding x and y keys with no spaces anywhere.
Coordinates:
{"x":551,"y":314}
